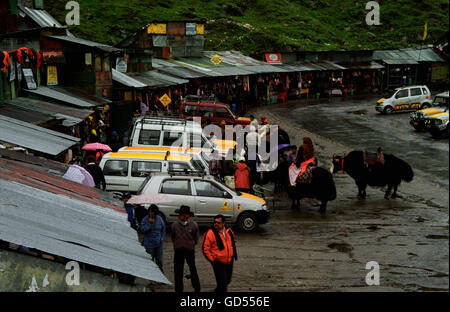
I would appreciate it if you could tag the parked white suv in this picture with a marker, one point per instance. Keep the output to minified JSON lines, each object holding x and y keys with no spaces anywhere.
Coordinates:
{"x":168,"y":132}
{"x":405,"y":99}
{"x":206,"y":197}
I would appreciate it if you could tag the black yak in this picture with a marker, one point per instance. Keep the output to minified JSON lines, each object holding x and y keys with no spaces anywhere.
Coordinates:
{"x":376,"y":174}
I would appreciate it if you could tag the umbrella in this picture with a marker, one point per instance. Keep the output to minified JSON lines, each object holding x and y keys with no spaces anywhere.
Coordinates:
{"x":80,"y":175}
{"x":149,"y":199}
{"x":96,"y":146}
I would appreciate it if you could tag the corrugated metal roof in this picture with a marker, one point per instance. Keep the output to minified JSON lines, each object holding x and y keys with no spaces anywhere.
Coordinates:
{"x":399,"y":61}
{"x":36,"y":138}
{"x":23,"y":114}
{"x":41,"y":17}
{"x":84,"y":42}
{"x":264,"y":68}
{"x":49,"y":108}
{"x":126,"y":80}
{"x":49,"y":216}
{"x":71,"y":116}
{"x":170,"y":79}
{"x":407,"y":56}
{"x":363,"y":65}
{"x":63,"y":96}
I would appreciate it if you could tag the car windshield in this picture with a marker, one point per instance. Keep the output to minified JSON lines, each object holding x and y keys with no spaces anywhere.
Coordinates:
{"x":440,"y":101}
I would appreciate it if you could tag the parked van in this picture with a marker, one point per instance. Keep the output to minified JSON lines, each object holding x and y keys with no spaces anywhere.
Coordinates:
{"x":126,"y":171}
{"x":405,"y":99}
{"x":210,"y":111}
{"x":154,"y":131}
{"x":198,"y":156}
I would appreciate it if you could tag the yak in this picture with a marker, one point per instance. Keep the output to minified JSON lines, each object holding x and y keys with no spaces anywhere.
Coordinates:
{"x":321,"y":187}
{"x":389,"y":172}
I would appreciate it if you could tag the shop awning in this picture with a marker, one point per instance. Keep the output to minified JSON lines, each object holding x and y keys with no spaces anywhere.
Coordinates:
{"x":23,"y":114}
{"x":171,"y":80}
{"x":49,"y":108}
{"x":399,"y":62}
{"x":35,"y":138}
{"x":62,"y":95}
{"x":363,"y":65}
{"x":70,"y":220}
{"x":41,"y":17}
{"x":126,"y":80}
{"x":407,"y":56}
{"x":84,"y":42}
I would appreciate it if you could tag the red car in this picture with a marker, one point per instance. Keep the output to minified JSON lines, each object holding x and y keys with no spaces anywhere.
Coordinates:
{"x":210,"y":111}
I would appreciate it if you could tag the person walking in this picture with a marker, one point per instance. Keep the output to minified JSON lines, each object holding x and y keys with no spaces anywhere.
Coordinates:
{"x":185,"y":235}
{"x":219,"y":248}
{"x":242,"y":176}
{"x":129,"y":209}
{"x":253,"y":142}
{"x":154,"y":230}
{"x":96,"y":172}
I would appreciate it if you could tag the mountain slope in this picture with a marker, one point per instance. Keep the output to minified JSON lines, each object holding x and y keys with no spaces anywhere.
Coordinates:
{"x":255,"y":26}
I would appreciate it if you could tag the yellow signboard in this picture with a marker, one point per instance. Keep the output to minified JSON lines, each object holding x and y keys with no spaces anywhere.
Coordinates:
{"x":216,"y":60}
{"x":157,"y":29}
{"x":165,"y":100}
{"x":52,"y":76}
{"x":200,"y":29}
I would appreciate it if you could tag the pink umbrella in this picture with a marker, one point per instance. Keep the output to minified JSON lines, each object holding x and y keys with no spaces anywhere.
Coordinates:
{"x":96,"y":146}
{"x":80,"y":175}
{"x":149,"y":199}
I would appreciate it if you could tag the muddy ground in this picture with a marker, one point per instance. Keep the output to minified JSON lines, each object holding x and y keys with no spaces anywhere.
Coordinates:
{"x":306,"y":251}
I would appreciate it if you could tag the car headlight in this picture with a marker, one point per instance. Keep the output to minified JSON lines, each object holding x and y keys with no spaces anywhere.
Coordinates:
{"x":264,"y":207}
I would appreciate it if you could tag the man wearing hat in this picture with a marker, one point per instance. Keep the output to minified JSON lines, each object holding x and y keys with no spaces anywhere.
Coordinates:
{"x":185,"y":235}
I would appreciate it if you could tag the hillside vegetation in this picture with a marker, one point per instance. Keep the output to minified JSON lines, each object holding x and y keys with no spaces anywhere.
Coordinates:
{"x":256,"y":26}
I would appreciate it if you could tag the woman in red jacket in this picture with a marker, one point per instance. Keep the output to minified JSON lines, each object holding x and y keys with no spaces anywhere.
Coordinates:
{"x":242,"y":176}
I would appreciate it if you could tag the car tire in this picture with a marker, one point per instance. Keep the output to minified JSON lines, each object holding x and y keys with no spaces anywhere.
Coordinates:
{"x":247,"y":222}
{"x":425,"y":105}
{"x":388,"y":110}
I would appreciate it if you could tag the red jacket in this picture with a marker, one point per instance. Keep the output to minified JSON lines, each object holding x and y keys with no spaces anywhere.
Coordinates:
{"x":211,"y":248}
{"x":241,"y":176}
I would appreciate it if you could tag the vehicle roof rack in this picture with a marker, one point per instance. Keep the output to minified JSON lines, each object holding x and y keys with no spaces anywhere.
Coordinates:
{"x":186,"y":172}
{"x":198,"y":98}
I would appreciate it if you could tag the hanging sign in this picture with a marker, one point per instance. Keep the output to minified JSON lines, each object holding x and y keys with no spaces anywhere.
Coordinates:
{"x":121,"y":65}
{"x":273,"y":58}
{"x":52,"y":76}
{"x":165,"y":100}
{"x":12,"y":71}
{"x":216,"y":60}
{"x":19,"y":71}
{"x":29,"y":78}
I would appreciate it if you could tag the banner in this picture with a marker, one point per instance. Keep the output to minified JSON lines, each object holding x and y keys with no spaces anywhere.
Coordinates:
{"x":52,"y":76}
{"x":29,"y":78}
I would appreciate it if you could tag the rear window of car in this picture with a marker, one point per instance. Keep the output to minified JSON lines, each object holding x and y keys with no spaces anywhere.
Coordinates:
{"x":177,"y":166}
{"x":189,"y":109}
{"x":116,"y":168}
{"x":178,"y":187}
{"x":222,"y":112}
{"x":149,"y":137}
{"x":415,"y":92}
{"x":143,"y":168}
{"x":401,"y":94}
{"x":171,"y":137}
{"x":206,"y":111}
{"x":424,"y":91}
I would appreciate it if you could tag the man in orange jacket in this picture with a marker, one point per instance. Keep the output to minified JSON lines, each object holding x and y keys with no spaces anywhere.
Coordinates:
{"x":219,"y":248}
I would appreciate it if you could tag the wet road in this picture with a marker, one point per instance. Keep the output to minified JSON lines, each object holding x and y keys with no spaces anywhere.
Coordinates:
{"x":356,"y":124}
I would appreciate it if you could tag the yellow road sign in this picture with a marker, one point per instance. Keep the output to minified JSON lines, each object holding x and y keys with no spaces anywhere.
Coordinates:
{"x":165,"y":100}
{"x":216,"y":60}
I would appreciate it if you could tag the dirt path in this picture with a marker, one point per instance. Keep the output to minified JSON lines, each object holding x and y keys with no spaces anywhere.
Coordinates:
{"x":306,"y":251}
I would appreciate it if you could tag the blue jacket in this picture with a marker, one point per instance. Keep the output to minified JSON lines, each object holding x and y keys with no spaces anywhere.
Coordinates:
{"x":154,"y":233}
